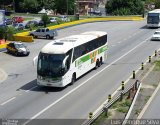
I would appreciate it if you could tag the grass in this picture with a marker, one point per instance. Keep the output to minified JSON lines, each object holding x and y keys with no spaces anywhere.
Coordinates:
{"x":122,"y":109}
{"x":147,"y":98}
{"x":157,"y":65}
{"x":27,"y":18}
{"x":154,"y":85}
{"x":141,"y":89}
{"x":137,"y":111}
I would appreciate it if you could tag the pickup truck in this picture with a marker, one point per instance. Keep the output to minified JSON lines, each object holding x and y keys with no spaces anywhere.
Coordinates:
{"x":44,"y":32}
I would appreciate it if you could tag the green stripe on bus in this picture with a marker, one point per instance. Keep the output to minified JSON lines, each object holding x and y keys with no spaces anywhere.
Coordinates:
{"x":87,"y":57}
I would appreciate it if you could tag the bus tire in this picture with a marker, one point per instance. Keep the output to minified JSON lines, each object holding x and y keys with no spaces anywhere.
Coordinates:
{"x":101,"y":61}
{"x":73,"y":79}
{"x":97,"y":64}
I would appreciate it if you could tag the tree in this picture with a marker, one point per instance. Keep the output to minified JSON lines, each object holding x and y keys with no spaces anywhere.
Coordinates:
{"x":124,"y":7}
{"x":47,"y":4}
{"x":45,"y":19}
{"x":65,"y":6}
{"x":157,"y":4}
{"x":7,"y":33}
{"x":29,"y":6}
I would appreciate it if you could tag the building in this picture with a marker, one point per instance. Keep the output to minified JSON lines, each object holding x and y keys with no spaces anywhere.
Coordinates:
{"x":87,"y":5}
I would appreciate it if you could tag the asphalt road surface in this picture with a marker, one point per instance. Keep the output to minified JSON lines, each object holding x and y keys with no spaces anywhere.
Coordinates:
{"x":20,"y":97}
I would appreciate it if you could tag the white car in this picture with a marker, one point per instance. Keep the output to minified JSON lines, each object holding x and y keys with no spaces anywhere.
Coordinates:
{"x":156,"y":35}
{"x":53,"y":19}
{"x":64,"y":18}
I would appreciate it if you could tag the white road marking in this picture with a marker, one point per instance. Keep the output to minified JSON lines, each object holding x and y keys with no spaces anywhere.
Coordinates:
{"x":58,"y":100}
{"x":31,"y":88}
{"x":8,"y":101}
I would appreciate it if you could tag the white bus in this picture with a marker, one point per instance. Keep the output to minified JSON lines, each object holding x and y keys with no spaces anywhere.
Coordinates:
{"x":62,"y":61}
{"x":153,"y":18}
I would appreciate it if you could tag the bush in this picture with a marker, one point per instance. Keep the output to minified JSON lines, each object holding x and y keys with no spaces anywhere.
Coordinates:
{"x":124,"y":7}
{"x":45,"y":19}
{"x":59,"y":21}
{"x":7,"y":33}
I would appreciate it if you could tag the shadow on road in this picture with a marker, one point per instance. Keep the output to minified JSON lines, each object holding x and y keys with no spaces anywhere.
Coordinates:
{"x":32,"y":86}
{"x":145,"y":27}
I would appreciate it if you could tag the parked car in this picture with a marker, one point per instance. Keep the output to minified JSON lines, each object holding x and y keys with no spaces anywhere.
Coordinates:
{"x":17,"y":19}
{"x":8,"y":21}
{"x":32,"y":22}
{"x":18,"y":49}
{"x":40,"y":23}
{"x":18,"y":26}
{"x":53,"y":19}
{"x":44,"y":32}
{"x":156,"y":35}
{"x":64,"y":18}
{"x":97,"y":12}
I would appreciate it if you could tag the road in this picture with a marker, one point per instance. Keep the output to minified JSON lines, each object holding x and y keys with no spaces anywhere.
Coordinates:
{"x":152,"y":111}
{"x":21,"y":98}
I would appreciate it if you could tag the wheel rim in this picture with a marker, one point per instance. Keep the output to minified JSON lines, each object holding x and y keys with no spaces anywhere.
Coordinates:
{"x":47,"y":37}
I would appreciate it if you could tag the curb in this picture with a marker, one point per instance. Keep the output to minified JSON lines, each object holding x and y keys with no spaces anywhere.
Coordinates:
{"x":3,"y":75}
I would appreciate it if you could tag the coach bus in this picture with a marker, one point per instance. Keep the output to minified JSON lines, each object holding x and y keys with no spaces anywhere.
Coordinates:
{"x":153,"y":18}
{"x":62,"y":61}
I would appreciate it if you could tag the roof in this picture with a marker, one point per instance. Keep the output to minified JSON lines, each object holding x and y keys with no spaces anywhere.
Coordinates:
{"x":64,"y":44}
{"x":155,"y":11}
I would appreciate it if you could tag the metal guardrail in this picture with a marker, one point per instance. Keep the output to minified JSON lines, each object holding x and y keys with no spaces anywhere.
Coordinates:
{"x":117,"y":96}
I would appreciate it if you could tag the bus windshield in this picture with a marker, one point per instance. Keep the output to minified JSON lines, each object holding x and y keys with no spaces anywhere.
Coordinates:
{"x":153,"y":18}
{"x":50,"y":65}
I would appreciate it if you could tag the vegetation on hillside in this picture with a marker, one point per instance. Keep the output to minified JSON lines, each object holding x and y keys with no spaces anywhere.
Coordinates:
{"x":124,"y":7}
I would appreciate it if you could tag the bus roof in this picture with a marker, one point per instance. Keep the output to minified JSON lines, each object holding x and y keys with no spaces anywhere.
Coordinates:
{"x":62,"y":45}
{"x":155,"y":11}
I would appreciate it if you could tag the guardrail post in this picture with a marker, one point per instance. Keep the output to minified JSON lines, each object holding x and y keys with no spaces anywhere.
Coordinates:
{"x":149,"y":59}
{"x":134,"y":74}
{"x":90,"y":115}
{"x":109,"y":97}
{"x":155,"y":52}
{"x":105,"y":110}
{"x":121,"y":96}
{"x":136,"y":85}
{"x":142,"y":66}
{"x":129,"y":94}
{"x":122,"y":85}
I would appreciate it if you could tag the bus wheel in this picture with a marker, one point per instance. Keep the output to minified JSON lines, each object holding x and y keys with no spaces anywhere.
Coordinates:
{"x":97,"y":64}
{"x":101,"y":61}
{"x":73,"y":79}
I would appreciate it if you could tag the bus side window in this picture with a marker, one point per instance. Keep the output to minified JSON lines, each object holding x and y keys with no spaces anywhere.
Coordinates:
{"x":68,"y":61}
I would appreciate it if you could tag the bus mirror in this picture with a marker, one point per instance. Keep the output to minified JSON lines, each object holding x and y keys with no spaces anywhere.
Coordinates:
{"x":35,"y":59}
{"x":64,"y":61}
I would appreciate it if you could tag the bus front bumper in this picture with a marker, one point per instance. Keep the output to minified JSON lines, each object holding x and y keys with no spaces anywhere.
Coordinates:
{"x":50,"y":84}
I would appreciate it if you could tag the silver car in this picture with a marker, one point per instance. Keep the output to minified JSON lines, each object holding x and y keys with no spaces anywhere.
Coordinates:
{"x":18,"y":26}
{"x":156,"y":35}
